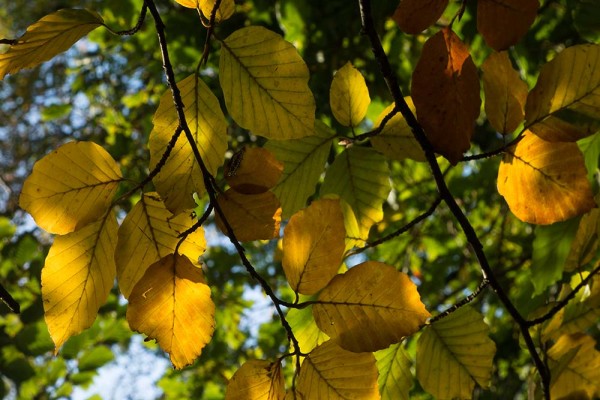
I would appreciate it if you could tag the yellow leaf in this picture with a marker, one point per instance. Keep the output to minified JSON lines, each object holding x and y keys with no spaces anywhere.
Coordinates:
{"x":544,"y":182}
{"x":454,"y":353}
{"x":188,"y":3}
{"x":585,"y":245}
{"x":503,"y":23}
{"x":70,"y":187}
{"x":313,"y":246}
{"x":265,"y":84}
{"x":251,"y":216}
{"x":149,"y":233}
{"x":256,"y":380}
{"x":349,"y":96}
{"x":181,"y":176}
{"x":564,"y":105}
{"x":226,"y":9}
{"x":330,"y":372}
{"x":48,"y":37}
{"x":396,"y":140}
{"x":253,"y":170}
{"x":77,"y":277}
{"x":172,"y":304}
{"x":582,"y":372}
{"x":305,"y":328}
{"x":351,"y":307}
{"x":414,"y":16}
{"x":395,"y":378}
{"x":505,"y":93}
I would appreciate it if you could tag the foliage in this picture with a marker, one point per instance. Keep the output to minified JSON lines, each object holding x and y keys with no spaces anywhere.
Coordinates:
{"x":378,"y":243}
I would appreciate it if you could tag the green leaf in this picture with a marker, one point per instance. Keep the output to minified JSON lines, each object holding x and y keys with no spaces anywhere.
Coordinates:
{"x":586,"y":15}
{"x":395,"y":378}
{"x":590,"y":147}
{"x":349,"y":96}
{"x":305,"y":328}
{"x":34,"y":339}
{"x":94,"y":358}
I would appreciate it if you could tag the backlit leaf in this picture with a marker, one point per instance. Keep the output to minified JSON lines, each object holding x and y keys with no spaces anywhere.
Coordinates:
{"x":585,"y":245}
{"x":77,"y":277}
{"x":396,"y":140}
{"x":353,"y":305}
{"x":564,"y":105}
{"x":544,"y":182}
{"x":454,"y":353}
{"x":414,"y":16}
{"x":48,"y":37}
{"x":313,"y":246}
{"x":256,"y":380}
{"x":303,"y":162}
{"x":305,"y":328}
{"x":505,"y":93}
{"x":251,"y":216}
{"x":226,"y":9}
{"x":360,"y":176}
{"x":265,"y":84}
{"x":149,"y":233}
{"x":253,"y":170}
{"x":330,"y":372}
{"x":181,"y":176}
{"x":172,"y":304}
{"x":502,"y":23}
{"x":395,"y":378}
{"x":70,"y":187}
{"x":445,"y":90}
{"x":349,"y":96}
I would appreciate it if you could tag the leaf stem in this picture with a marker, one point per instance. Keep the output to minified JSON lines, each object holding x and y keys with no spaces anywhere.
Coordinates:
{"x":138,"y":25}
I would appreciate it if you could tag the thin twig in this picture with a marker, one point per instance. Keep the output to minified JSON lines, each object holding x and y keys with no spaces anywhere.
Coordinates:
{"x":10,"y":302}
{"x":138,"y":25}
{"x":484,"y":283}
{"x":209,"y":32}
{"x":183,"y":235}
{"x":377,"y":130}
{"x":9,"y":41}
{"x":494,"y":153}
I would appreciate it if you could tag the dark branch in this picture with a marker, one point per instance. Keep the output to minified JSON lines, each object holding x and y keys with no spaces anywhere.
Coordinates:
{"x":9,"y":300}
{"x":9,"y":41}
{"x":138,"y":25}
{"x":377,"y":130}
{"x":484,"y":283}
{"x":493,"y":153}
{"x":182,"y":236}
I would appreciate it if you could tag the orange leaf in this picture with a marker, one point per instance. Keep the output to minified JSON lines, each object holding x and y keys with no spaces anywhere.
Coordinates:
{"x":253,"y":170}
{"x":414,"y":16}
{"x":545,"y":182}
{"x":503,"y":22}
{"x":445,"y":90}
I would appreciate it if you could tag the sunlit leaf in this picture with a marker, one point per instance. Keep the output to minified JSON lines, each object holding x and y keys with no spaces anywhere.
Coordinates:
{"x":251,"y":216}
{"x":265,"y":84}
{"x":544,"y":182}
{"x":305,"y":328}
{"x":256,"y":380}
{"x":181,"y":176}
{"x":352,"y":307}
{"x":226,"y":9}
{"x":70,"y":187}
{"x":253,"y":170}
{"x":454,"y":353}
{"x":564,"y":105}
{"x":349,"y":96}
{"x":396,"y":140}
{"x":330,"y":372}
{"x":313,"y":246}
{"x":445,"y":90}
{"x":303,"y":163}
{"x":590,"y":147}
{"x":77,"y":277}
{"x":503,"y":23}
{"x":48,"y":37}
{"x":172,"y":304}
{"x":149,"y":233}
{"x":395,"y":378}
{"x":505,"y":93}
{"x":414,"y":16}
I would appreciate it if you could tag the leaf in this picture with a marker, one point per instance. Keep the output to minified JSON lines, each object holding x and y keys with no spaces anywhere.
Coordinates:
{"x":330,"y":372}
{"x":51,"y":35}
{"x":544,"y":182}
{"x":396,"y":140}
{"x":360,"y":176}
{"x":582,"y":372}
{"x":585,"y":14}
{"x":502,"y":23}
{"x":505,"y":93}
{"x":253,"y":170}
{"x":454,"y":353}
{"x":225,"y":11}
{"x":313,"y":246}
{"x":94,"y":358}
{"x":181,"y":176}
{"x":265,"y":84}
{"x":352,"y":307}
{"x":349,"y":96}
{"x":585,"y":244}
{"x":149,"y":233}
{"x":564,"y":105}
{"x":414,"y":16}
{"x":77,"y":278}
{"x":172,"y":304}
{"x":251,"y":216}
{"x":70,"y":187}
{"x":305,"y":328}
{"x":395,"y":378}
{"x":257,"y":380}
{"x":445,"y":90}
{"x":590,"y":147}
{"x":303,"y":163}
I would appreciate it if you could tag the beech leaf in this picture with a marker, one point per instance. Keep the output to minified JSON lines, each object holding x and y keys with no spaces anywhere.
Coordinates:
{"x":414,"y":16}
{"x":395,"y":378}
{"x":349,"y":96}
{"x":502,"y":23}
{"x":305,"y":328}
{"x":253,"y":170}
{"x":256,"y":380}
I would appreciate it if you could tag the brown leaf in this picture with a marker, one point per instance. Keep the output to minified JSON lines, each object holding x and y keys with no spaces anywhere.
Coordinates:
{"x":445,"y":90}
{"x":502,"y":23}
{"x":414,"y":16}
{"x":253,"y":170}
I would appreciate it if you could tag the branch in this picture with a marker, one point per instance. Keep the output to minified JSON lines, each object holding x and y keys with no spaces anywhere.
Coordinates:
{"x":182,"y":236}
{"x":484,"y":283}
{"x":9,"y":41}
{"x":209,"y":32}
{"x":377,"y":130}
{"x":138,"y":25}
{"x":9,"y":300}
{"x":493,"y":153}
{"x":472,"y":238}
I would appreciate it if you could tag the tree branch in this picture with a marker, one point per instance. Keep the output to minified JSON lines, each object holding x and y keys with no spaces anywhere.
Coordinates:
{"x":377,"y":130}
{"x":484,"y":283}
{"x":138,"y":25}
{"x":10,"y":302}
{"x":494,"y":153}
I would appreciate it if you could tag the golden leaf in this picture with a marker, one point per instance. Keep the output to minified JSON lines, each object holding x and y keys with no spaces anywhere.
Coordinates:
{"x":349,"y":96}
{"x":503,"y":23}
{"x":253,"y":170}
{"x":226,"y":9}
{"x":414,"y":16}
{"x":256,"y":380}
